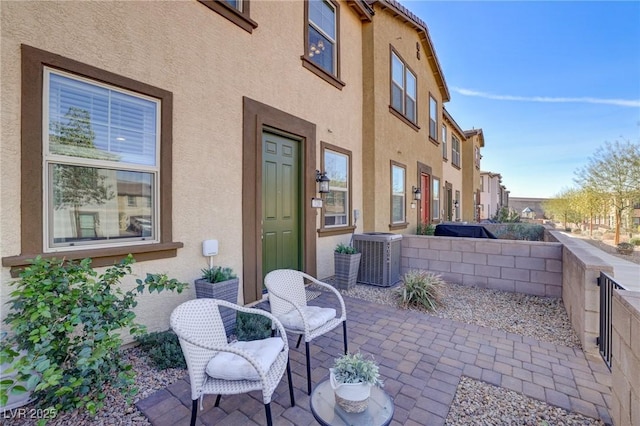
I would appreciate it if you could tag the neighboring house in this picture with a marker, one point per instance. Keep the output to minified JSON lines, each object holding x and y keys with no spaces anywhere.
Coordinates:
{"x":471,"y":151}
{"x":211,"y":119}
{"x":491,"y":194}
{"x":404,"y":90}
{"x":452,"y":140}
{"x":520,"y":204}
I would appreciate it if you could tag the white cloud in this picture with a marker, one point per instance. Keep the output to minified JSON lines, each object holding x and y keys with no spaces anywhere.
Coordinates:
{"x":587,"y":100}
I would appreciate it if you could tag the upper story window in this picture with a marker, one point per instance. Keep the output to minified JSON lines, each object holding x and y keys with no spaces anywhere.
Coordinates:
{"x":322,"y":40}
{"x":455,"y":151}
{"x":337,"y":165}
{"x":445,"y":149}
{"x":433,"y":121}
{"x":477,"y":156}
{"x":93,"y":138}
{"x":236,"y":11}
{"x":481,"y":183}
{"x":102,"y":145}
{"x":398,"y":215}
{"x":403,"y":88}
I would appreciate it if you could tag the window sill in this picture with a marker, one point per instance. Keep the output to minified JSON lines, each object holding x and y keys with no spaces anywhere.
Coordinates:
{"x":401,"y":116}
{"x":329,"y":78}
{"x":433,"y":141}
{"x":100,"y":256}
{"x":457,"y":166}
{"x":233,"y":15}
{"x":325,"y":232}
{"x":403,"y":225}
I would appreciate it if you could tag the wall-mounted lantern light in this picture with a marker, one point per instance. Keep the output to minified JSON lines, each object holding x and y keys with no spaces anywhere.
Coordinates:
{"x":417,"y":194}
{"x":455,"y":204}
{"x":323,"y":181}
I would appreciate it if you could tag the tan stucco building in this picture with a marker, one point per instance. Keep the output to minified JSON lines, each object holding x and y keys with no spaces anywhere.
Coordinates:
{"x":198,"y":102}
{"x":404,"y":90}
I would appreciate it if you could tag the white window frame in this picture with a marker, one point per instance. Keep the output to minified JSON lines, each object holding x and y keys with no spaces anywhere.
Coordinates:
{"x":445,"y":153}
{"x":401,"y":194}
{"x":433,"y":118}
{"x":338,"y":189}
{"x":50,"y":159}
{"x":332,"y":40}
{"x":455,"y":150}
{"x":435,"y":199}
{"x":406,"y":73}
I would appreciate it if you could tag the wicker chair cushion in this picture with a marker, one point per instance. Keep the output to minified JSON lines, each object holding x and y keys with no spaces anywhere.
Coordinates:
{"x":228,"y":366}
{"x":315,"y":316}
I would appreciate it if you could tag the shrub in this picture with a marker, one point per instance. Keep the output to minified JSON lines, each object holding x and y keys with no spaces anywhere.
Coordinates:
{"x":163,"y":347}
{"x":67,"y":318}
{"x":345,"y":249}
{"x":354,"y":368}
{"x":217,"y":274}
{"x":425,"y":229}
{"x":252,"y":326}
{"x":518,"y":231}
{"x":635,"y":241}
{"x":577,"y":231}
{"x":420,"y":289}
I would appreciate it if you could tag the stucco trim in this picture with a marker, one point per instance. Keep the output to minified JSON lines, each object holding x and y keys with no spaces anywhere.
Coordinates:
{"x":32,"y":242}
{"x":258,"y":117}
{"x":241,"y":19}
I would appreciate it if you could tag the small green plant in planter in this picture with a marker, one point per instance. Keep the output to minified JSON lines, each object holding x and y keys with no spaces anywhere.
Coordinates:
{"x":347,"y":263}
{"x":221,"y":283}
{"x":425,"y":229}
{"x":420,"y":289}
{"x":67,"y":318}
{"x":252,"y":327}
{"x":351,"y":379}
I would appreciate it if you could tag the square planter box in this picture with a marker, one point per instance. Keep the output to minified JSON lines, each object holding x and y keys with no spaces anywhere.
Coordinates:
{"x":346,"y":266}
{"x":224,"y":290}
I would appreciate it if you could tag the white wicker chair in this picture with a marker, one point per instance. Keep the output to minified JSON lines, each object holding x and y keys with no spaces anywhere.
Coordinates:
{"x":200,"y":330}
{"x":288,"y":302}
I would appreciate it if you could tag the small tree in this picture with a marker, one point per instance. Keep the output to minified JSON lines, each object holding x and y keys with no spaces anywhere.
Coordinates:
{"x":614,"y":170}
{"x":563,"y":207}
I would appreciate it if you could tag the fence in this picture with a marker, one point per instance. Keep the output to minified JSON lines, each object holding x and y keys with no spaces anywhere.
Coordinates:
{"x":607,"y":285}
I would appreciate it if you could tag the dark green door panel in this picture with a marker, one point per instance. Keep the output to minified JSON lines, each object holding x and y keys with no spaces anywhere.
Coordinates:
{"x":281,"y":244}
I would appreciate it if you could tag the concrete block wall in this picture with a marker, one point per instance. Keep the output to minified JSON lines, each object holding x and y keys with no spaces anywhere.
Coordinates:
{"x":529,"y":267}
{"x":580,"y":291}
{"x":625,"y":358}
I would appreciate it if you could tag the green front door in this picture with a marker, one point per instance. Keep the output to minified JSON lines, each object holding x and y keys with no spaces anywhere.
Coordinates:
{"x":281,"y":212}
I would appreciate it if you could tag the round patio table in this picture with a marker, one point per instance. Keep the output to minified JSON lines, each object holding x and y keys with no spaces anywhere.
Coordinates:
{"x":328,"y":413}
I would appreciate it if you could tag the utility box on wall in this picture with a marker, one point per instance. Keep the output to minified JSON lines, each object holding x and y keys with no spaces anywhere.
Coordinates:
{"x":380,"y":261}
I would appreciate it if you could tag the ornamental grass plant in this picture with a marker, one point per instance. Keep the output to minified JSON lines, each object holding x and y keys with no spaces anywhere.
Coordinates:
{"x":420,"y":289}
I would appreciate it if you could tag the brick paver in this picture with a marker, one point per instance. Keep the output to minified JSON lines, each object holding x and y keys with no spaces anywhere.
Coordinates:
{"x":421,"y":359}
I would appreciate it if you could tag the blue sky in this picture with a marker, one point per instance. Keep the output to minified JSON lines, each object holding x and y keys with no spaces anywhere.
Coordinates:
{"x":548,"y":82}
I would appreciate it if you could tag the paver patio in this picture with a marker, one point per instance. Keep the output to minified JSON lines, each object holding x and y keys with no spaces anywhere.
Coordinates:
{"x":421,"y":360}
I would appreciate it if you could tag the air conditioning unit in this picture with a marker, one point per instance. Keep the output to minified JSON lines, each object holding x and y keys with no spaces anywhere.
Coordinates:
{"x":380,"y":260}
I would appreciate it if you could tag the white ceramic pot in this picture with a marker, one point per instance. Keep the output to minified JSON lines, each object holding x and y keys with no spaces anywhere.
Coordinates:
{"x":351,"y":397}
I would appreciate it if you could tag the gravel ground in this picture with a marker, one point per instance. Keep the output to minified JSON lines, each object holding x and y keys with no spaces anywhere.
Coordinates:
{"x":475,"y":403}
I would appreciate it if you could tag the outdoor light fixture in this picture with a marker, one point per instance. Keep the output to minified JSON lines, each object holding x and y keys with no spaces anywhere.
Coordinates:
{"x":455,"y":204}
{"x":322,"y":178}
{"x":417,"y":194}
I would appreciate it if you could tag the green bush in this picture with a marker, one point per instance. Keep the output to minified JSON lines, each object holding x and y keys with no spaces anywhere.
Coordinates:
{"x":518,"y":231}
{"x":252,"y":326}
{"x":420,"y":289}
{"x":67,"y":319}
{"x":163,"y":347}
{"x":635,"y":241}
{"x":425,"y":229}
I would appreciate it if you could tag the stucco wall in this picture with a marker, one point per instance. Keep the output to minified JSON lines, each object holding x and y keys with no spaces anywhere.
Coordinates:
{"x":208,"y":64}
{"x":625,"y":360}
{"x":388,"y":137}
{"x":580,"y":292}
{"x":528,"y":267}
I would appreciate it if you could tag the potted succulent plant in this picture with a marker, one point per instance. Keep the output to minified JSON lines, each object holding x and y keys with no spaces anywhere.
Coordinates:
{"x":351,"y":379}
{"x":221,"y":283}
{"x":347,"y":263}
